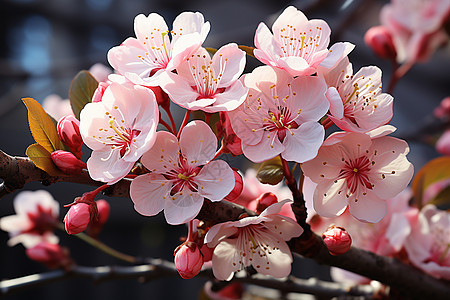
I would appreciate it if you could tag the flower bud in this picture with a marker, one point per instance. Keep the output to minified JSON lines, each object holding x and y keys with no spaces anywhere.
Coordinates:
{"x":264,"y":201}
{"x":443,"y":144}
{"x":380,"y":40}
{"x":231,"y":142}
{"x":51,"y":255}
{"x":238,"y":186}
{"x":96,"y":225}
{"x":206,"y":252}
{"x":67,"y":162}
{"x":337,"y":240}
{"x":161,"y":97}
{"x":443,"y":110}
{"x":188,"y":260}
{"x":98,"y":93}
{"x":69,"y":133}
{"x":77,"y":218}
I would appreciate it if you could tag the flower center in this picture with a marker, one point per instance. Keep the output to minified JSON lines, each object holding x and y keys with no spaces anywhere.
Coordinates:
{"x":206,"y":79}
{"x":356,"y":174}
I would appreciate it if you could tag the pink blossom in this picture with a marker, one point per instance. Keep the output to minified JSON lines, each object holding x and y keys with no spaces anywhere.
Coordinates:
{"x":337,"y":240}
{"x":99,"y":91}
{"x":253,"y":241}
{"x":238,"y":186}
{"x":416,"y":27}
{"x":279,"y":115}
{"x":380,"y":40}
{"x":177,"y":182}
{"x":36,"y":218}
{"x":100,"y":72}
{"x":231,"y":143}
{"x":298,"y":45}
{"x":69,"y":132}
{"x":428,"y":245}
{"x":359,"y":172}
{"x":356,"y":101}
{"x":145,"y":58}
{"x":51,"y":255}
{"x":77,"y":218}
{"x":56,"y":106}
{"x":443,"y":143}
{"x":211,"y":85}
{"x":119,"y":129}
{"x":188,"y":260}
{"x":67,"y":162}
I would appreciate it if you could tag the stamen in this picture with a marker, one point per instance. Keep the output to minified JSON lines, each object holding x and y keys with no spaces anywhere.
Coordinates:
{"x":118,"y":132}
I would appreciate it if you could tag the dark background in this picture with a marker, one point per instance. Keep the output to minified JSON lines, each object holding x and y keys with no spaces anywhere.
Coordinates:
{"x":44,"y":43}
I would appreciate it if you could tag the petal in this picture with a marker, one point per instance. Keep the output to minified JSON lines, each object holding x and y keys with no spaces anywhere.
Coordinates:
{"x":215,"y":180}
{"x":28,"y":201}
{"x":164,"y":155}
{"x":325,"y":166}
{"x":303,"y":143}
{"x":218,"y":232}
{"x":337,"y":75}
{"x":148,"y":193}
{"x":269,"y":147}
{"x":368,"y":208}
{"x":337,"y":52}
{"x":198,"y":143}
{"x":291,"y":16}
{"x":330,"y":198}
{"x":295,"y":65}
{"x":185,"y":46}
{"x":182,"y":207}
{"x":230,"y":99}
{"x":284,"y":227}
{"x":226,"y":260}
{"x":143,"y":26}
{"x":336,"y":105}
{"x":229,"y":61}
{"x":190,"y":22}
{"x":14,"y":223}
{"x":264,"y":44}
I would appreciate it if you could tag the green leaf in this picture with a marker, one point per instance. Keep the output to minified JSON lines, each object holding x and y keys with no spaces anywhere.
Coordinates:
{"x":42,"y":159}
{"x":271,"y":171}
{"x":81,"y":91}
{"x":41,"y":126}
{"x":248,"y":50}
{"x":436,"y":170}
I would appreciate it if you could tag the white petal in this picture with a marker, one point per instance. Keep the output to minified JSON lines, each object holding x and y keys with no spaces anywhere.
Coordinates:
{"x":198,"y":143}
{"x":304,"y":142}
{"x":225,"y":260}
{"x":148,"y":193}
{"x":330,"y":198}
{"x":215,"y":180}
{"x":164,"y":155}
{"x":368,"y":208}
{"x":182,"y":207}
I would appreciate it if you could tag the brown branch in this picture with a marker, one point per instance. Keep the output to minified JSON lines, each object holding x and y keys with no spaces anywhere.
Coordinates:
{"x":157,"y":268}
{"x":17,"y":171}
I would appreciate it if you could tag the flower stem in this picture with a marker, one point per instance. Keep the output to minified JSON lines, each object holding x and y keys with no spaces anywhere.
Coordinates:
{"x":185,"y":121}
{"x":398,"y":74}
{"x":172,"y":121}
{"x":102,"y":247}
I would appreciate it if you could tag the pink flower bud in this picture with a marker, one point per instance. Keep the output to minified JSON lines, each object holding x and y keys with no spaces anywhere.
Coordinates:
{"x":188,"y":260}
{"x":380,"y":40}
{"x":337,"y":240}
{"x":264,"y":201}
{"x":51,"y":255}
{"x":443,"y":110}
{"x":443,"y":144}
{"x":96,"y":225}
{"x":67,"y":162}
{"x":98,"y":94}
{"x":77,"y":218}
{"x":69,"y":133}
{"x":230,"y":140}
{"x":238,"y":186}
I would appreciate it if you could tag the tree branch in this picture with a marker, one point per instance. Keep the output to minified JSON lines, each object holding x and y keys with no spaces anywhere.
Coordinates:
{"x":157,"y":268}
{"x":17,"y":171}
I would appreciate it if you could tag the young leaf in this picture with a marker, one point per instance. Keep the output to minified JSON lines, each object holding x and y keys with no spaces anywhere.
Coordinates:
{"x":41,"y":126}
{"x":271,"y":171}
{"x":42,"y":159}
{"x":436,"y":170}
{"x":81,"y":91}
{"x":248,"y":50}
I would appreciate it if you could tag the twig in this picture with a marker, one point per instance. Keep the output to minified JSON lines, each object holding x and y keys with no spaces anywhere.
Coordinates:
{"x":16,"y":171}
{"x":157,"y":268}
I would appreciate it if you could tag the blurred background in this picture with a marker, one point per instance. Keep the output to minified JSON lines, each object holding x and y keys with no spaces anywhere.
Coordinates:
{"x":44,"y":43}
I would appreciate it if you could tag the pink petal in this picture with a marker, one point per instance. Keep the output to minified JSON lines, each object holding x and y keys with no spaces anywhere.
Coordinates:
{"x":215,"y":180}
{"x":295,"y":65}
{"x":233,"y":59}
{"x":284,"y":227}
{"x":182,"y":208}
{"x":218,"y":232}
{"x":336,"y":105}
{"x":325,"y":166}
{"x":337,"y":52}
{"x":148,"y":192}
{"x":190,"y":22}
{"x":264,"y":44}
{"x":368,"y":208}
{"x":107,"y":166}
{"x":269,"y":147}
{"x":225,"y":260}
{"x":330,"y":198}
{"x":291,"y":16}
{"x":198,"y":143}
{"x":304,"y":142}
{"x":229,"y":100}
{"x":184,"y":47}
{"x":144,"y":25}
{"x":164,"y":155}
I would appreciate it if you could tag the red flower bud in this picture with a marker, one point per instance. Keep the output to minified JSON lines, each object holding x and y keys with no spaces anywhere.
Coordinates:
{"x":230,"y":140}
{"x":188,"y":260}
{"x":51,"y":255}
{"x":77,"y":218}
{"x":69,"y":133}
{"x":443,"y":110}
{"x":380,"y":40}
{"x":238,"y":186}
{"x":264,"y":201}
{"x":337,"y":240}
{"x":98,"y":94}
{"x":67,"y":162}
{"x":96,"y":225}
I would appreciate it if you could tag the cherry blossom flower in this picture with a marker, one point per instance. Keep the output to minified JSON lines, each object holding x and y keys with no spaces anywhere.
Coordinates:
{"x":119,"y":129}
{"x":416,"y":27}
{"x":177,"y":182}
{"x":254,"y":241}
{"x":298,"y":45}
{"x":279,"y":115}
{"x":36,"y":218}
{"x":144,"y":58}
{"x":356,"y":101}
{"x":353,"y":169}
{"x":428,"y":245}
{"x":211,"y":85}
